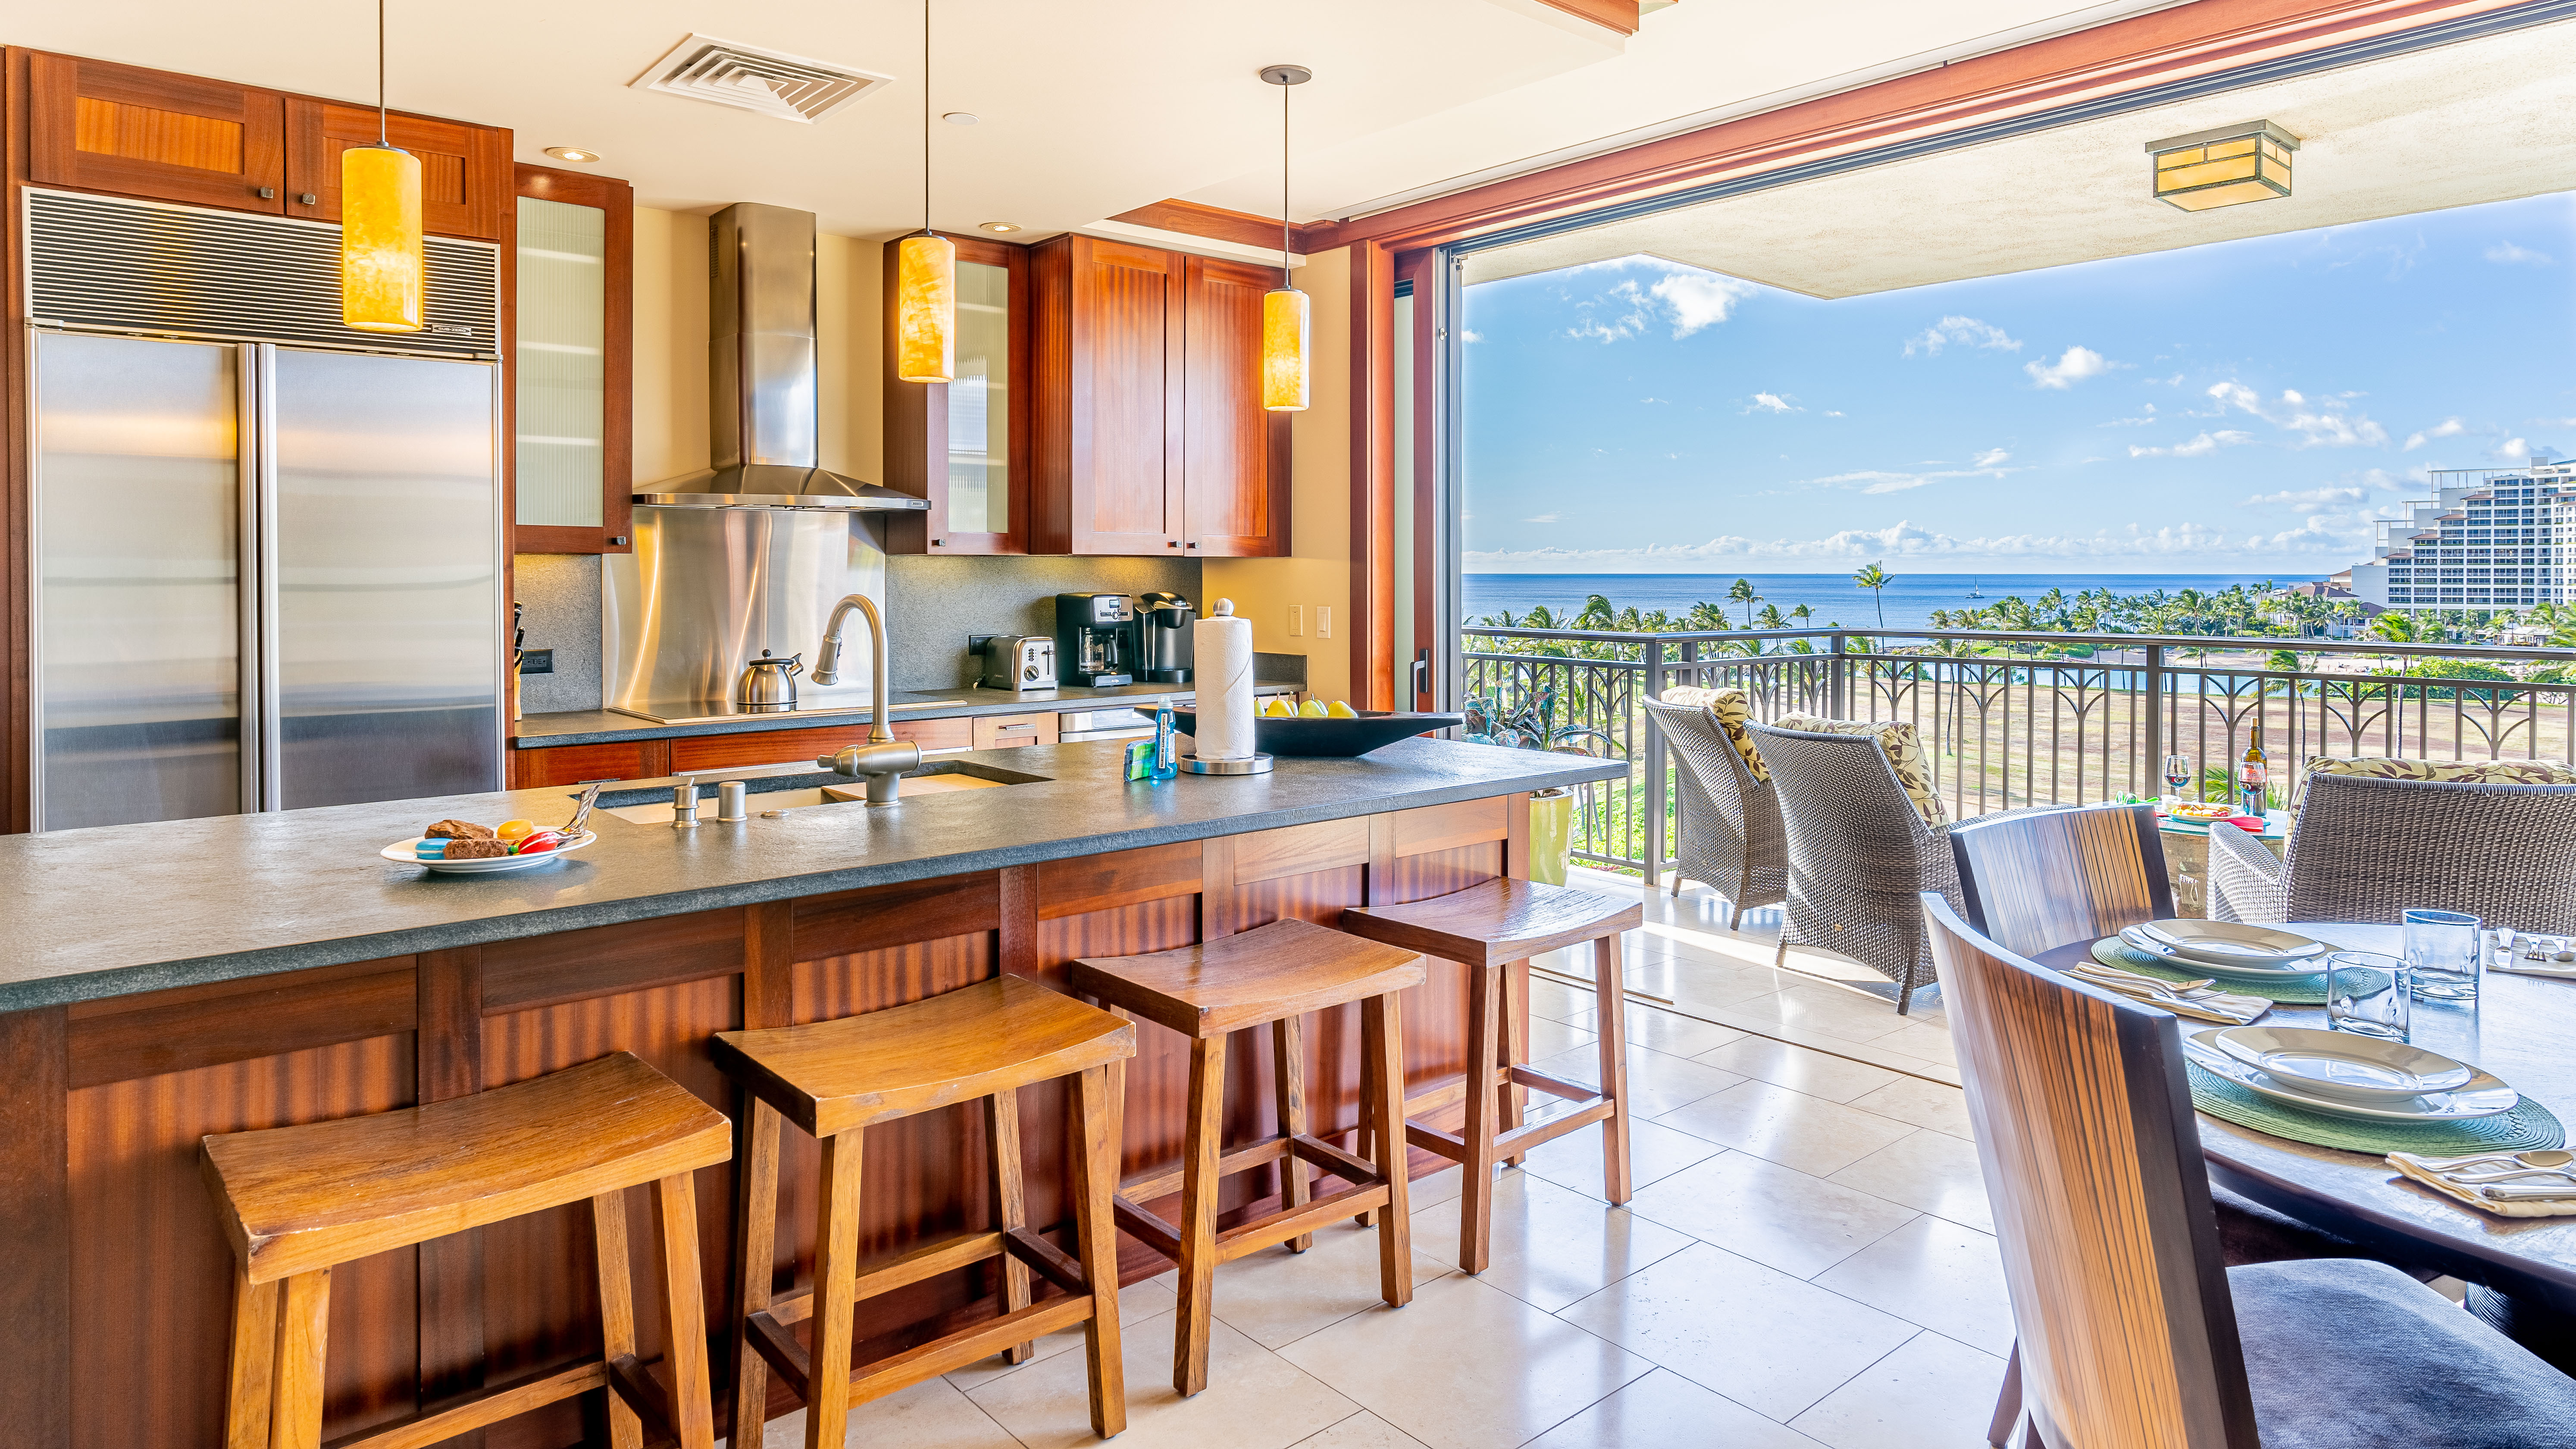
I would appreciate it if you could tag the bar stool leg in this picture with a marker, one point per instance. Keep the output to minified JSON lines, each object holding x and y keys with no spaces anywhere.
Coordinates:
{"x":759,"y":1228}
{"x":303,"y":1326}
{"x":684,"y":1310}
{"x":1199,"y":1185}
{"x":251,"y":1385}
{"x":1010,"y":1203}
{"x":1382,"y":1042}
{"x":1515,"y":1046}
{"x":1610,"y":1001}
{"x":1288,"y":1081}
{"x":616,"y":1309}
{"x":836,"y":1279}
{"x":1484,"y":1102}
{"x":1095,"y":1176}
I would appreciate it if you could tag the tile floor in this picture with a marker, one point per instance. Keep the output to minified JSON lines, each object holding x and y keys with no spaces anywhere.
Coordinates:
{"x":1807,"y":1259}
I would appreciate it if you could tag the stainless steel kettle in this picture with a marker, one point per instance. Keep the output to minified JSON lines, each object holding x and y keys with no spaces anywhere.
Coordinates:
{"x":768,"y":683}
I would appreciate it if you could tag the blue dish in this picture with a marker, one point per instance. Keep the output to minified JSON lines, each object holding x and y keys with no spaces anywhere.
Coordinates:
{"x":1306,"y":737}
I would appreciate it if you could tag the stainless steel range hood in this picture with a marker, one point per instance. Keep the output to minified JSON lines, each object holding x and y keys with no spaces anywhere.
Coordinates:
{"x":761,"y":376}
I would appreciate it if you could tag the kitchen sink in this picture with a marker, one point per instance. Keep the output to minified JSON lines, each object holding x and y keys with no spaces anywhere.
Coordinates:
{"x":795,"y":789}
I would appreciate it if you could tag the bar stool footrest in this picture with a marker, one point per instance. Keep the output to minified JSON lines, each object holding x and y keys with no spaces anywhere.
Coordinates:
{"x":1522,"y":1139}
{"x":1553,"y":1086}
{"x":1046,"y":1260}
{"x":490,"y":1406}
{"x":1261,"y":1233}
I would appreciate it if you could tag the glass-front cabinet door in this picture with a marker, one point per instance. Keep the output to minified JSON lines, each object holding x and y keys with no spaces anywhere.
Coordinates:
{"x":571,"y":366}
{"x":963,"y":444}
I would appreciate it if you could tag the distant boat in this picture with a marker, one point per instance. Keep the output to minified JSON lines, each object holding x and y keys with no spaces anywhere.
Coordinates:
{"x":1973,"y":591}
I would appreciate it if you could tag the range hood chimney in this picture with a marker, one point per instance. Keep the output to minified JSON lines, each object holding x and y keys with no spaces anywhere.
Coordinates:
{"x":761,"y":375}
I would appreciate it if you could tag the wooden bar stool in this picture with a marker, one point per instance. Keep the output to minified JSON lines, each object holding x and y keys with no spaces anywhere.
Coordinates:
{"x":1486,"y":927}
{"x":835,"y":1079}
{"x":1269,"y":976}
{"x":297,"y":1201}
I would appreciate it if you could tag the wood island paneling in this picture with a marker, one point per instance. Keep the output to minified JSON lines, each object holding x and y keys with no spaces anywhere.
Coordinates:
{"x":103,"y":1104}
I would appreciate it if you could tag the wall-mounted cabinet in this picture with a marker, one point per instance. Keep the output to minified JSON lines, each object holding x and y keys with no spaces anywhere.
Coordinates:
{"x":465,"y":177}
{"x":1150,"y":436}
{"x":964,"y":445}
{"x":571,"y":362}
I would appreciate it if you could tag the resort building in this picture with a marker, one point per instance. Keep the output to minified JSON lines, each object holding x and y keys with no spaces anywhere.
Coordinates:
{"x":2486,"y":539}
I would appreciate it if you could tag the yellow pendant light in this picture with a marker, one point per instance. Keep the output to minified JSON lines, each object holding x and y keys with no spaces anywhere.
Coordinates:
{"x":384,"y":277}
{"x":1284,"y":329}
{"x":925,"y":315}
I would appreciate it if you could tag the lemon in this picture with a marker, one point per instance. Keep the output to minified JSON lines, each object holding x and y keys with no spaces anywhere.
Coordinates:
{"x":1277,"y":706}
{"x":1312,"y":709}
{"x":1341,"y":709}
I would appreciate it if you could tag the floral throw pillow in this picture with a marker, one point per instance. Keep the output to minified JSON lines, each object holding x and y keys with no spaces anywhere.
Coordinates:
{"x":1903,"y":745}
{"x":1733,"y":710}
{"x":2475,"y":772}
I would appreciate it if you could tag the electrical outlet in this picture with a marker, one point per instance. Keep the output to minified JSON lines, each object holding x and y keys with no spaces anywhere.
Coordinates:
{"x":1296,"y":621}
{"x":536,"y":661}
{"x":1323,"y":621}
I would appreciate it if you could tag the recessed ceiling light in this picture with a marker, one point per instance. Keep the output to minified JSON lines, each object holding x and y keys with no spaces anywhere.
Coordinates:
{"x":961,"y":118}
{"x":571,"y":153}
{"x":1001,"y":226}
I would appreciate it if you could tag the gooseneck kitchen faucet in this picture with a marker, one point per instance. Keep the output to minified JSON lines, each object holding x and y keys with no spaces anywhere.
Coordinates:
{"x":883,"y":759}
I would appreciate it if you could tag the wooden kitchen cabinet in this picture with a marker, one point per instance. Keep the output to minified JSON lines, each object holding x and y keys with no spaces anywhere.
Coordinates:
{"x":965,"y":444}
{"x":465,"y":181}
{"x":571,"y":316}
{"x":1149,"y":431}
{"x":136,"y":132}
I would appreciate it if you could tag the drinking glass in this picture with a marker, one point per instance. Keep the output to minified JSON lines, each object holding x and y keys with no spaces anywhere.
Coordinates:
{"x":2177,"y":775}
{"x":2367,"y":994}
{"x":2442,"y":949}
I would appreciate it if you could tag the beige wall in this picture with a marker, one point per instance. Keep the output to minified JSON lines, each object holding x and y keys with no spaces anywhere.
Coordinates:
{"x":671,"y":349}
{"x":1318,"y":575}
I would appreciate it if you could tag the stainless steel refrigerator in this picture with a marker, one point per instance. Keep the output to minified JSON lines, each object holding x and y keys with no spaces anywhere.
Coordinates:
{"x":267,"y":572}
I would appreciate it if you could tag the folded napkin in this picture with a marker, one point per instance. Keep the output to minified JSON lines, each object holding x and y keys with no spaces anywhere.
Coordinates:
{"x":2517,"y":955}
{"x":2523,"y":966}
{"x":2429,"y":1171}
{"x":2201,"y":1003}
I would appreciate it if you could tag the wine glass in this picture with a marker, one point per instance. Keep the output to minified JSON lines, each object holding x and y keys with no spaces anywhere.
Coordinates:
{"x":2177,"y":775}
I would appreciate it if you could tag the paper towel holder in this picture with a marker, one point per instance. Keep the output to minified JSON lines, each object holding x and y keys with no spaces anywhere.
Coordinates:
{"x":1259,"y":764}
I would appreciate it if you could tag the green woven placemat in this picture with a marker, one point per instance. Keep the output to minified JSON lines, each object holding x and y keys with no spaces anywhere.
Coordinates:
{"x":2290,"y":991}
{"x":2527,"y":1125}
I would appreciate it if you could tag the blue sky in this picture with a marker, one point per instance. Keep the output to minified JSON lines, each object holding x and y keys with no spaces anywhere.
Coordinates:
{"x":2243,"y":407}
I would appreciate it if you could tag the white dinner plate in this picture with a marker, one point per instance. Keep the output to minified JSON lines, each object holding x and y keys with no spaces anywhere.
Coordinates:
{"x":2136,"y":939}
{"x":2344,"y":1064}
{"x":400,"y":852}
{"x":2232,"y":943}
{"x":2484,"y":1096}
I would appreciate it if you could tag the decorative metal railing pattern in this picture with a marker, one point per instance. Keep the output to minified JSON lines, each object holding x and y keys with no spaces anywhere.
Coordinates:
{"x":2016,"y":719}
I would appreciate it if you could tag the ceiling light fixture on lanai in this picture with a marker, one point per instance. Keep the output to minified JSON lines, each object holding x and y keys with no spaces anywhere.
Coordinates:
{"x":2224,"y":167}
{"x":752,"y":78}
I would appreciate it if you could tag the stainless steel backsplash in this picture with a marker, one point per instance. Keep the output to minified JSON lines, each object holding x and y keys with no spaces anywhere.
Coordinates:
{"x":708,"y":588}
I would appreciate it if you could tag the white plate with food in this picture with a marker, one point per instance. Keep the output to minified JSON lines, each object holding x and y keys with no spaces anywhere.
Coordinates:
{"x":407,"y":852}
{"x":2232,"y":942}
{"x":2200,"y":812}
{"x":2136,"y":939}
{"x":2344,"y":1064}
{"x":2482,"y":1096}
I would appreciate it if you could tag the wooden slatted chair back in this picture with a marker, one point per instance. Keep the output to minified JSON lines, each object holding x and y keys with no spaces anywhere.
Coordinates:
{"x":2042,"y":879}
{"x":2101,"y":1202}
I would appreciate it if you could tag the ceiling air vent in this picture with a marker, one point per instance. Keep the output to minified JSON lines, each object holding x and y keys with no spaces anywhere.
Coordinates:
{"x":772,"y":82}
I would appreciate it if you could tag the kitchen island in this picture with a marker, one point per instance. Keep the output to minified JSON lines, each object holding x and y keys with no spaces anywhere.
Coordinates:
{"x":168,"y":981}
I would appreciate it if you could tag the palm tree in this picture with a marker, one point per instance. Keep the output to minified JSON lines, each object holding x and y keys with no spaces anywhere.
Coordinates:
{"x":2394,"y":627}
{"x":1875,"y":579}
{"x":1802,"y":614}
{"x":1772,"y":617}
{"x":1743,"y":593}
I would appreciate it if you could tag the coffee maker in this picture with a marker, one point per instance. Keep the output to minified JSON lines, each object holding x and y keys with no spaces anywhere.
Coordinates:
{"x":1167,"y":621}
{"x":1097,"y":640}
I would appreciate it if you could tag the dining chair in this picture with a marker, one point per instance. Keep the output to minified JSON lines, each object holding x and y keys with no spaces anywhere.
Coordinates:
{"x":1728,"y":835}
{"x":2042,"y":879}
{"x":2370,"y":847}
{"x":2134,"y":1335}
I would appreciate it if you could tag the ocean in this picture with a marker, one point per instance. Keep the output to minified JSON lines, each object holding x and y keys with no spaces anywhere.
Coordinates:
{"x":1910,"y":600}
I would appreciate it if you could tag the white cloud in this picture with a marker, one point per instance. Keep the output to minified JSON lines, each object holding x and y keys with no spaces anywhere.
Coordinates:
{"x":1543,"y":518}
{"x":1471,"y":334}
{"x":1990,"y":457}
{"x":2509,"y":254}
{"x":2137,"y":422}
{"x":1961,"y":332}
{"x":1655,"y":400}
{"x":1687,"y":299}
{"x":2308,"y":498}
{"x":1772,"y":402}
{"x":2071,"y":367}
{"x":2513,"y":450}
{"x":1696,"y":299}
{"x":2331,"y":536}
{"x":1833,"y":414}
{"x":1874,"y":480}
{"x":2328,"y":423}
{"x":2199,"y":447}
{"x":2447,"y":428}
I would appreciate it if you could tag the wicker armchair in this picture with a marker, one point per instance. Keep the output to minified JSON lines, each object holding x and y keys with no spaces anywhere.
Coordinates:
{"x":2244,"y":879}
{"x":2368,"y":849}
{"x":1729,"y":836}
{"x":1860,"y":855}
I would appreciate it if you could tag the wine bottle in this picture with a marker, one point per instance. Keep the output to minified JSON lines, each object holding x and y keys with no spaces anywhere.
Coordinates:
{"x":2250,"y":776}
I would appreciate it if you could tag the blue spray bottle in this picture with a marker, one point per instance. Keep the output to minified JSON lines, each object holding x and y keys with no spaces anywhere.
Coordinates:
{"x":1167,"y":747}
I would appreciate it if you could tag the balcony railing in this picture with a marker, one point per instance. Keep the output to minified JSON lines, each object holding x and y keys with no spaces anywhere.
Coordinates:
{"x":2014,"y":719}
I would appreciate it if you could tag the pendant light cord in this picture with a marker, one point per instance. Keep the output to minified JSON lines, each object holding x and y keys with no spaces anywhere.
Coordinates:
{"x":380,"y":74}
{"x":925,"y":119}
{"x":1283,"y":183}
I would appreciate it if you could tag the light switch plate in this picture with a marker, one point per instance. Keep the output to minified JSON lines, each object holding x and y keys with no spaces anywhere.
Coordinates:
{"x":1323,"y":621}
{"x":1296,"y":621}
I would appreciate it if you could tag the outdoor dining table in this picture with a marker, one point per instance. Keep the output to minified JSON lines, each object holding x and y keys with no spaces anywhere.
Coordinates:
{"x":2523,"y":1031}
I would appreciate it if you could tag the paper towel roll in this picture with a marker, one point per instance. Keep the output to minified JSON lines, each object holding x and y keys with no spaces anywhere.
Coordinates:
{"x":1222,"y":654}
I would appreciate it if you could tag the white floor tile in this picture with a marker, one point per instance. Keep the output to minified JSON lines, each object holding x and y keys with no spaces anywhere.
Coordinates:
{"x":1666,"y":1411}
{"x":1657,"y":1082}
{"x":931,"y":1414}
{"x":1774,"y":1215}
{"x":1790,"y":1128}
{"x":1930,"y":1171}
{"x":1934,"y":1105}
{"x":1362,"y":1430}
{"x":1275,"y":1297}
{"x":1254,"y":1399}
{"x":1931,"y":1394}
{"x":1550,"y":1245}
{"x":1574,"y":1160}
{"x":1800,"y":1069}
{"x":1935,"y":1273}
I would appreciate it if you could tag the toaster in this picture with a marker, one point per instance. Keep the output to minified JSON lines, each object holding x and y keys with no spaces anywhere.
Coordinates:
{"x":1021,"y":663}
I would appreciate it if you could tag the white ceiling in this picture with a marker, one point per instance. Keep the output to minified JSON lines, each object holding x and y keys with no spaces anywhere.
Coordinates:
{"x":1088,"y":107}
{"x":2485,"y":120}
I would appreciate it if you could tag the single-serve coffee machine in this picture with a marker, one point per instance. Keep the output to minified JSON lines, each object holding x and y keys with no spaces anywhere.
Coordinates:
{"x":1097,"y":640}
{"x":1167,"y":619}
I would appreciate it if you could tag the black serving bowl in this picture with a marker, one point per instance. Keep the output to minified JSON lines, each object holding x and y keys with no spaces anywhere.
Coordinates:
{"x":1337,"y":739}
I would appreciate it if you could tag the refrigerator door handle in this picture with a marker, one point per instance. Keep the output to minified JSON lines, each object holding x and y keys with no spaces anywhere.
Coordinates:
{"x":264,"y":741}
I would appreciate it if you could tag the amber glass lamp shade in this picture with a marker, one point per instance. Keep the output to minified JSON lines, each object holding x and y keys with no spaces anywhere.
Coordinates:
{"x":2226,"y":167}
{"x":925,"y":323}
{"x":1283,"y":350}
{"x":384,"y":280}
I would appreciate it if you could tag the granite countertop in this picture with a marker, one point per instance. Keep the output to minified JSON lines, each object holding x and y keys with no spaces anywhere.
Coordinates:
{"x":129,"y":908}
{"x":605,"y":727}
